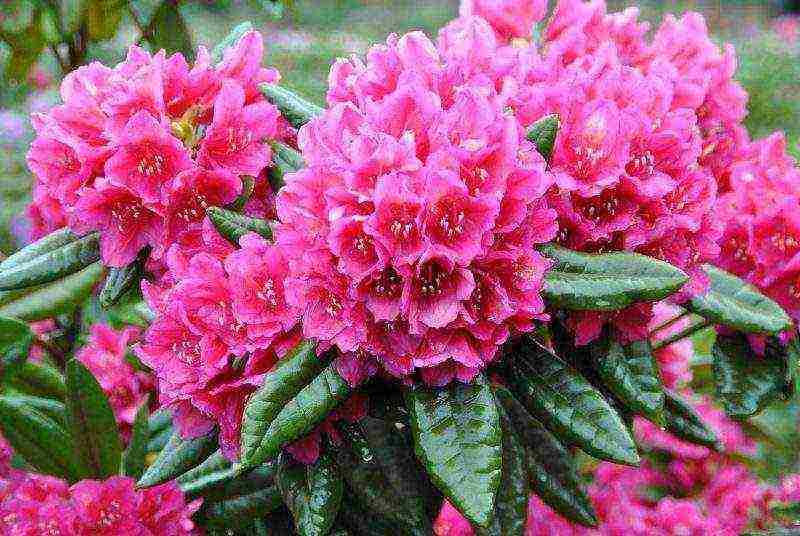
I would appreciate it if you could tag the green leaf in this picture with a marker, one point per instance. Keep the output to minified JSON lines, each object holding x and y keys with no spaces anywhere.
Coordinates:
{"x":735,"y":303}
{"x":567,"y":404}
{"x":390,"y":483}
{"x":457,"y":437}
{"x":15,"y":343}
{"x":284,"y":160}
{"x":632,"y":375}
{"x":38,"y":380}
{"x":44,"y":245}
{"x":121,"y":280}
{"x":47,"y":406}
{"x":215,"y":470}
{"x":301,"y":415}
{"x":53,"y":265}
{"x":281,"y":384}
{"x":297,"y":110}
{"x":684,"y":422}
{"x":133,"y":459}
{"x":745,"y":381}
{"x":313,"y":493}
{"x":103,"y":17}
{"x":178,"y":456}
{"x":55,"y":298}
{"x":240,"y":510}
{"x":91,"y":422}
{"x":26,"y":46}
{"x":168,"y":30}
{"x":543,"y":134}
{"x":43,"y":442}
{"x":219,"y":51}
{"x":511,"y":510}
{"x":233,"y":225}
{"x":608,"y":281}
{"x":248,"y":184}
{"x":551,"y":469}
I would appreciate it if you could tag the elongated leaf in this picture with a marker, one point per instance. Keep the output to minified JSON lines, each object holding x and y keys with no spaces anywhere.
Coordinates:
{"x":281,"y":384}
{"x":233,"y":225}
{"x":551,"y":469}
{"x":40,"y":440}
{"x":248,"y":184}
{"x":44,"y":245}
{"x":567,"y":404}
{"x":313,"y":493}
{"x":168,"y":30}
{"x":53,"y":299}
{"x":160,"y":420}
{"x":745,"y":381}
{"x":389,"y":484}
{"x":543,"y":134}
{"x":631,"y":374}
{"x":284,"y":160}
{"x":178,"y":456}
{"x":91,"y":422}
{"x":103,"y":17}
{"x":133,"y":459}
{"x":219,"y":51}
{"x":215,"y":470}
{"x":609,"y":281}
{"x":684,"y":422}
{"x":240,"y":510}
{"x":15,"y":343}
{"x":121,"y":280}
{"x":301,"y":414}
{"x":511,"y":510}
{"x":38,"y":380}
{"x":735,"y":303}
{"x":297,"y":110}
{"x":457,"y":438}
{"x":256,"y":479}
{"x":67,"y":259}
{"x":47,"y":406}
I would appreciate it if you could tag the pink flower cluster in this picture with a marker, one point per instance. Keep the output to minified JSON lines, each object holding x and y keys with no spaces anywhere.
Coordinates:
{"x":34,"y":505}
{"x":761,"y":211}
{"x":139,"y":151}
{"x":411,"y":234}
{"x":105,"y":356}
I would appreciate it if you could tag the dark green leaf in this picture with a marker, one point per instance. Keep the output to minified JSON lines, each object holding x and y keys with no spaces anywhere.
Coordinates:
{"x":283,"y":382}
{"x":53,"y":265}
{"x":457,"y":438}
{"x":92,"y":423}
{"x":178,"y":456}
{"x":38,"y":380}
{"x":44,"y":245}
{"x":215,"y":470}
{"x":732,"y":302}
{"x":233,"y":225}
{"x":684,"y":422}
{"x":46,"y":406}
{"x":297,"y":110}
{"x":301,"y":414}
{"x":313,"y":493}
{"x":121,"y":280}
{"x":103,"y":17}
{"x":609,"y":281}
{"x":219,"y":51}
{"x":39,"y":439}
{"x":15,"y":343}
{"x":248,"y":184}
{"x":241,"y":510}
{"x":745,"y":381}
{"x":168,"y":30}
{"x":354,"y":435}
{"x":55,"y":298}
{"x":551,"y":469}
{"x":543,"y":134}
{"x":284,"y":160}
{"x":632,"y":375}
{"x":363,"y":522}
{"x":133,"y":459}
{"x":562,"y":399}
{"x":390,"y":484}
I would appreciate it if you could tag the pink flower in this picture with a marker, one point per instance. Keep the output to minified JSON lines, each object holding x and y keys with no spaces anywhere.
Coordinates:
{"x":509,"y":18}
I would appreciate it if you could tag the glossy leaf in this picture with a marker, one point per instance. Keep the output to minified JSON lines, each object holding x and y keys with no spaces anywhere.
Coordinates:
{"x":238,"y":511}
{"x":248,"y":184}
{"x":632,"y":375}
{"x":92,"y":422}
{"x":684,"y":422}
{"x":735,"y":303}
{"x":568,"y":405}
{"x":121,"y":280}
{"x":215,"y":470}
{"x":15,"y":343}
{"x":54,"y":265}
{"x":133,"y":459}
{"x":283,"y":382}
{"x":168,"y":30}
{"x":313,"y":493}
{"x":390,"y":484}
{"x":543,"y":134}
{"x":284,"y":160}
{"x":178,"y":456}
{"x":53,"y":299}
{"x":38,"y":380}
{"x":746,"y":382}
{"x":42,"y":441}
{"x":457,"y":438}
{"x":609,"y":281}
{"x":294,"y":108}
{"x":44,"y":245}
{"x":552,"y":473}
{"x":233,"y":225}
{"x":219,"y":51}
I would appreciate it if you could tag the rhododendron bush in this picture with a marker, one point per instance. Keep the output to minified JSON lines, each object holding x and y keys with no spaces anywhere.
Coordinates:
{"x":415,"y":310}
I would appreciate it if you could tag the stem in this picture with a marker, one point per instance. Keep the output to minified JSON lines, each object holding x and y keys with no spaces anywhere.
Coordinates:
{"x":686,"y":332}
{"x":670,"y":322}
{"x":61,"y":62}
{"x":55,"y":352}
